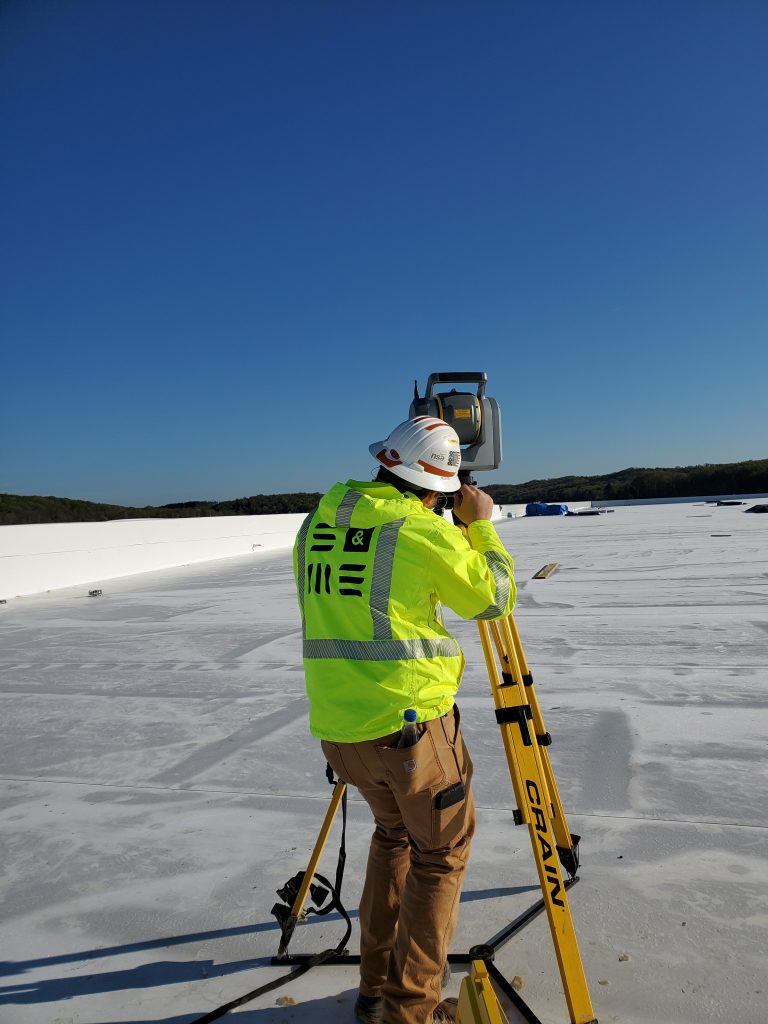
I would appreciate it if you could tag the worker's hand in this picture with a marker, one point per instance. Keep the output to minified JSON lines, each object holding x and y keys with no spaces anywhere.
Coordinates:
{"x":471,"y":504}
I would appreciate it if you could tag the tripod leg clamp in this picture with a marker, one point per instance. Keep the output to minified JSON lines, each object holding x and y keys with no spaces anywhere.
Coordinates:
{"x":519,"y":715}
{"x":569,"y":855}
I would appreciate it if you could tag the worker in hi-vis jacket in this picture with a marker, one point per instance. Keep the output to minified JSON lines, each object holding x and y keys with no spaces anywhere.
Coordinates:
{"x":373,"y":567}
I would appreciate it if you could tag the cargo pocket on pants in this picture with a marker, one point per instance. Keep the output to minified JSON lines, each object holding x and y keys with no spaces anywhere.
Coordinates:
{"x":450,"y":815}
{"x":452,"y":807}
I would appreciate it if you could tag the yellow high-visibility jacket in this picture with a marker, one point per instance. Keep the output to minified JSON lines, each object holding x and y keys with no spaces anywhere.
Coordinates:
{"x":372,"y":568}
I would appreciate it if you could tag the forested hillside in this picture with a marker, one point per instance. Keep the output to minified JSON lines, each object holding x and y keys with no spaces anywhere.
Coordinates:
{"x":16,"y":508}
{"x":683,"y":481}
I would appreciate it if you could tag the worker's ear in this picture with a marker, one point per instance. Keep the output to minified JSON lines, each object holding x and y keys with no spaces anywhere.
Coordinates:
{"x":430,"y":499}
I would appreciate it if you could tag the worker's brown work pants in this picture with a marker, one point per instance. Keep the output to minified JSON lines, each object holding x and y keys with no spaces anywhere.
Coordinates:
{"x":418,"y":854}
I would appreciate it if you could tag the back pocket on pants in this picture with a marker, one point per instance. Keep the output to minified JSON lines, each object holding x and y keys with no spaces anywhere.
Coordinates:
{"x":415,"y":769}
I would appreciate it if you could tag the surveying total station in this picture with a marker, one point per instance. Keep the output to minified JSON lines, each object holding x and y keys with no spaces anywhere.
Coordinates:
{"x":474,"y":416}
{"x":486,"y":997}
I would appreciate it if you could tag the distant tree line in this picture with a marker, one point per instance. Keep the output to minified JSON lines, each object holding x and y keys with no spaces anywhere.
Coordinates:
{"x":681,"y":482}
{"x":20,"y":509}
{"x":749,"y":477}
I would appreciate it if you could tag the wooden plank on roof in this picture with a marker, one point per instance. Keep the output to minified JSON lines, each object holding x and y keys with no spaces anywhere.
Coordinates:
{"x":546,"y":571}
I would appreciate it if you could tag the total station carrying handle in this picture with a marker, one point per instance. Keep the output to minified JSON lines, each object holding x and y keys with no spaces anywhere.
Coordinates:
{"x":464,"y":377}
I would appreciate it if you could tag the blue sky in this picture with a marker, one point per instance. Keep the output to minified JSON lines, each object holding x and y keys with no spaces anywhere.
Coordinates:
{"x":235,"y":232}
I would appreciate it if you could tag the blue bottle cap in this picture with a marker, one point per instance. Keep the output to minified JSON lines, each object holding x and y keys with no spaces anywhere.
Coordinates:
{"x":410,"y":715}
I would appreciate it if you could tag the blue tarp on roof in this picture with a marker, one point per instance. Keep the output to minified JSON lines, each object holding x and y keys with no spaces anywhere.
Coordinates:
{"x":541,"y":508}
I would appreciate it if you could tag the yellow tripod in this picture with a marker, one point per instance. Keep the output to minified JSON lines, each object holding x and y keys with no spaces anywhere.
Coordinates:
{"x":525,"y":742}
{"x":538,"y":801}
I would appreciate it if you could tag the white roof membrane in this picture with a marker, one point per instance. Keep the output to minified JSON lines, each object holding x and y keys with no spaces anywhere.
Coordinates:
{"x":159,"y":782}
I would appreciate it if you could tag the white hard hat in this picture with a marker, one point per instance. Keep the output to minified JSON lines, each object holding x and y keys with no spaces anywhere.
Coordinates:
{"x":423,"y":451}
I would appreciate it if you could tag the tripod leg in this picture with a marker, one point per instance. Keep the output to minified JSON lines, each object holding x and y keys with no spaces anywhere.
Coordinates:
{"x":288,"y":925}
{"x":509,"y":749}
{"x":567,"y":843}
{"x":508,"y":653}
{"x":512,"y":672}
{"x":514,"y":715}
{"x":314,"y":860}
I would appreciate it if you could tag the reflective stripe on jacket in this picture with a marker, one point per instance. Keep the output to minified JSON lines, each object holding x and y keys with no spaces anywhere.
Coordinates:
{"x":372,"y":568}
